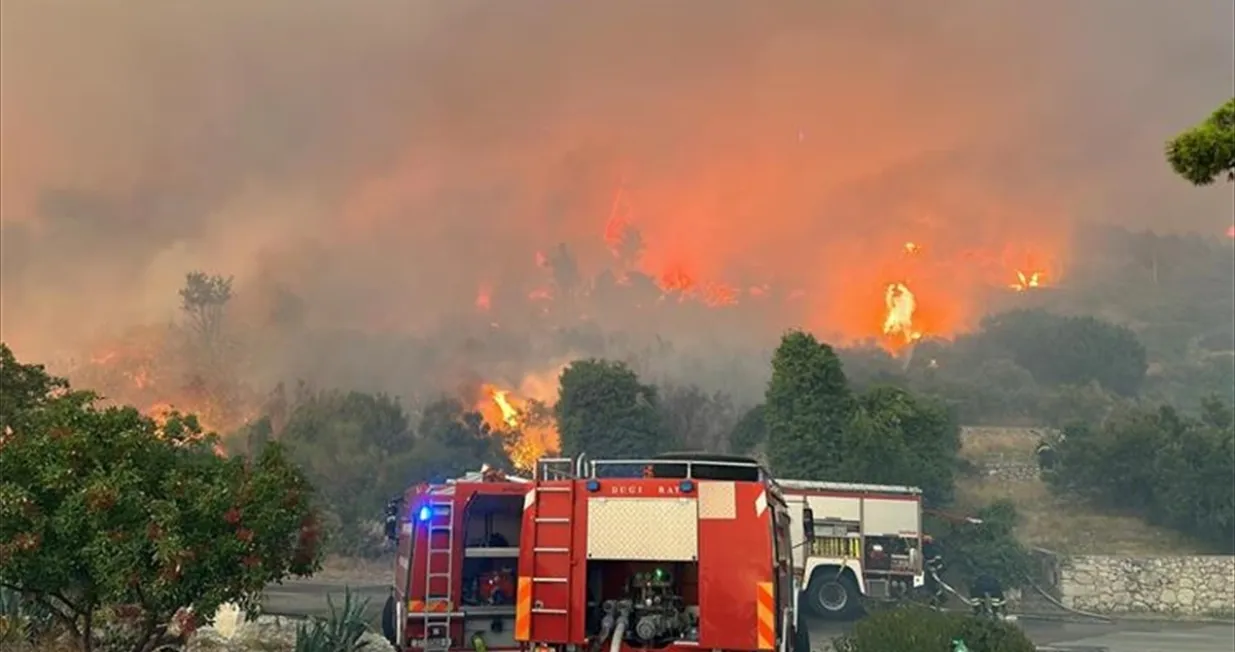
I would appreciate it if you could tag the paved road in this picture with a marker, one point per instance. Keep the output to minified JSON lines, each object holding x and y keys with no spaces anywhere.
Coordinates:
{"x":1110,"y":637}
{"x":309,"y":598}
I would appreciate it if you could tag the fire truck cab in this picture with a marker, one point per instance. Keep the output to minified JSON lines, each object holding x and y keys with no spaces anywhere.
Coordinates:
{"x":457,"y":564}
{"x":679,"y":552}
{"x":867,"y":544}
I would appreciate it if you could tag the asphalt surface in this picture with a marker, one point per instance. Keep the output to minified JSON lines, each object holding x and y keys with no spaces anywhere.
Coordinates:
{"x":300,"y":598}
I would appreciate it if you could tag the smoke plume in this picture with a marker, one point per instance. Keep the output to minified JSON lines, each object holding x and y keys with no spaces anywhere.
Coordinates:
{"x":409,"y":169}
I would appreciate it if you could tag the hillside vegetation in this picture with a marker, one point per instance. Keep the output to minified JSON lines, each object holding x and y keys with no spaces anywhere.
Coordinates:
{"x":1005,"y":468}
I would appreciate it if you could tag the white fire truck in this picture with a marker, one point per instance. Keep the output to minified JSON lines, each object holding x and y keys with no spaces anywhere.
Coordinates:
{"x":867,"y":543}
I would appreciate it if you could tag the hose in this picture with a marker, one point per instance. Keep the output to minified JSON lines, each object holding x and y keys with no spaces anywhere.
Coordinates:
{"x":619,"y":632}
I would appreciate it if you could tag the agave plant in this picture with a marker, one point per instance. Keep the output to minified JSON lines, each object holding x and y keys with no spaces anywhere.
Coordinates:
{"x":341,"y":632}
{"x":21,"y":618}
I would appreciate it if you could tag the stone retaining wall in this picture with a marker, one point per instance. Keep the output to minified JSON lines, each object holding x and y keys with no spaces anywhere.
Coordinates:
{"x":1182,"y":586}
{"x":1003,"y":454}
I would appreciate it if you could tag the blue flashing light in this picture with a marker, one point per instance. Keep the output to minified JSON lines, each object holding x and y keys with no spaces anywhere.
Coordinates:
{"x":424,"y":514}
{"x":593,"y":486}
{"x":686,"y":486}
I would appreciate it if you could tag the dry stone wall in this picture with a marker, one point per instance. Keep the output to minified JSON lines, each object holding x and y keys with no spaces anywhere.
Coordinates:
{"x":1003,"y":454}
{"x":1174,"y":585}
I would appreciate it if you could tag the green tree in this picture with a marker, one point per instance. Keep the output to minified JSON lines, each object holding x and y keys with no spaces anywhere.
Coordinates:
{"x":1061,"y":350}
{"x":358,"y":448}
{"x":104,"y":507}
{"x":1206,"y":151}
{"x":907,"y":440}
{"x":749,"y":432}
{"x":695,"y":419}
{"x":989,"y":546}
{"x":26,"y":388}
{"x":605,"y":411}
{"x":807,"y":410}
{"x":455,"y":441}
{"x":1172,"y":468}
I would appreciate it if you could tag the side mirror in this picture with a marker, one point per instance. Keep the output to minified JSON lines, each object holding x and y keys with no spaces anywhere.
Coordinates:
{"x":808,"y":524}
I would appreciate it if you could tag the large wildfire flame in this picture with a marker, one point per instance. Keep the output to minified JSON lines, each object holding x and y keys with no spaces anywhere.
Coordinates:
{"x":522,"y":417}
{"x":688,"y":205}
{"x":901,"y":305}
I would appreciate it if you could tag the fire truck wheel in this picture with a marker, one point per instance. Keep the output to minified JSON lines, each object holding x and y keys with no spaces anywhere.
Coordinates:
{"x":388,"y":621}
{"x":833,"y":595}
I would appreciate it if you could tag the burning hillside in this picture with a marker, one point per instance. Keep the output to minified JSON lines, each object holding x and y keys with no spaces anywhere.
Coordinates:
{"x":148,"y":368}
{"x":500,"y":184}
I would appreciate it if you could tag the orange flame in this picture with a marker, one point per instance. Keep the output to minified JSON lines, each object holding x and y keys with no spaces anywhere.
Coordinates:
{"x":161,"y":411}
{"x":527,"y":437}
{"x":898,"y":320}
{"x":142,"y":369}
{"x":509,"y":414}
{"x":1027,"y":281}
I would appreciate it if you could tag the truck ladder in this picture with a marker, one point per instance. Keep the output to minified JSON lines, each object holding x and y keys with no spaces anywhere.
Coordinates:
{"x":552,"y":548}
{"x":439,"y":604}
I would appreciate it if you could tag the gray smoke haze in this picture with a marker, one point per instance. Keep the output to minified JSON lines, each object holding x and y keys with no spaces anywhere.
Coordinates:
{"x":385,"y":162}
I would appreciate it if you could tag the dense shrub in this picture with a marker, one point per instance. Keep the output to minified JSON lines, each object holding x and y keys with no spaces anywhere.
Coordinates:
{"x":1172,"y":468}
{"x":1065,"y":350}
{"x":105,"y":512}
{"x":989,"y":547}
{"x":915,"y":628}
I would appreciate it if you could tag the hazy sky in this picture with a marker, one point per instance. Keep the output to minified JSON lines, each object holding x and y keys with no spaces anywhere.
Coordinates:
{"x":389,"y":160}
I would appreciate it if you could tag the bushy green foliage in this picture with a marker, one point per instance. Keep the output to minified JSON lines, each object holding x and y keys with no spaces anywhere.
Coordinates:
{"x":989,"y":547}
{"x":105,"y":507}
{"x":695,"y":419}
{"x":749,"y":432}
{"x":605,"y":411}
{"x":914,"y":628}
{"x":808,"y":409}
{"x":361,"y":450}
{"x":356,"y":447}
{"x":1173,"y":468}
{"x":1206,"y":151}
{"x":454,"y":441}
{"x":1063,"y":350}
{"x":818,"y":429}
{"x":904,"y":439}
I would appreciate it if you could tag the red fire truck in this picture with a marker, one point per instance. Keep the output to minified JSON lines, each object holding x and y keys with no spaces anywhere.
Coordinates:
{"x":675,"y":553}
{"x":680,"y":552}
{"x":457,"y":560}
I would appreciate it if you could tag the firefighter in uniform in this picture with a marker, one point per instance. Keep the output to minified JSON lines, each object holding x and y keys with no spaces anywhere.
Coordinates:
{"x":932,"y":558}
{"x":1046,"y":456}
{"x":987,"y":586}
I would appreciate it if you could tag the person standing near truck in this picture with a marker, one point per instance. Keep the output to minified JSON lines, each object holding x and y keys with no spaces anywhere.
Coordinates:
{"x":932,"y":560}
